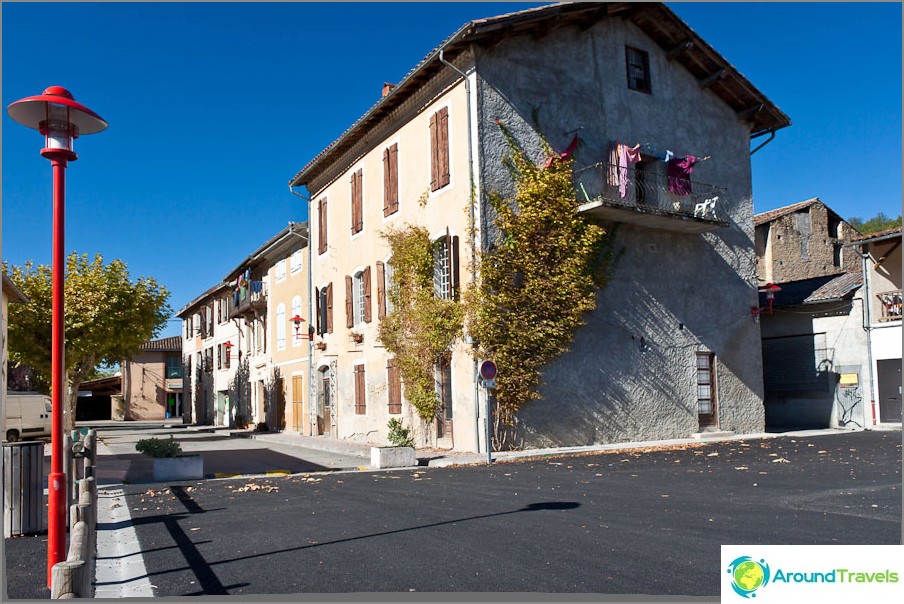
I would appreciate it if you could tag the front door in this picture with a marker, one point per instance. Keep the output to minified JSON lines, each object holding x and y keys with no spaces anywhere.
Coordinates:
{"x":298,"y":414}
{"x":706,"y":391}
{"x":326,"y":403}
{"x":889,"y":374}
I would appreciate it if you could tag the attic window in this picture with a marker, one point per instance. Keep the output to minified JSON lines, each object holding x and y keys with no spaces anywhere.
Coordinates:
{"x":637,"y":65}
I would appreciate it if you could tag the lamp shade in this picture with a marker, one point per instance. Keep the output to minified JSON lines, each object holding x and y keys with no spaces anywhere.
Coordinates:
{"x":56,"y":103}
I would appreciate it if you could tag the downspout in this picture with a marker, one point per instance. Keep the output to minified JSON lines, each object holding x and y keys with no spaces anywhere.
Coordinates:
{"x":765,"y":142}
{"x":868,"y":322}
{"x":473,"y":235}
{"x":310,"y":271}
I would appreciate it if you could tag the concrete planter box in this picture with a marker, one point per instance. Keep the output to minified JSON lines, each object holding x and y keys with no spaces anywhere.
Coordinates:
{"x":185,"y":467}
{"x":392,"y":457}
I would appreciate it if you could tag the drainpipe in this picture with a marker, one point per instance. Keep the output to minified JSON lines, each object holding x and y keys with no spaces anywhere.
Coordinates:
{"x":868,"y":322}
{"x":310,"y":271}
{"x":765,"y":142}
{"x":473,"y":233}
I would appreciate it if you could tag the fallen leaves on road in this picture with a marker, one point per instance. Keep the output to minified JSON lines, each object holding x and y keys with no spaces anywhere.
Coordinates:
{"x":780,"y":460}
{"x":251,"y":486}
{"x":713,"y":455}
{"x":741,"y":468}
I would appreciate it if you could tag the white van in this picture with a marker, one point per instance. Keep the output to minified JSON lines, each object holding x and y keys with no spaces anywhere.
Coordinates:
{"x":27,"y":415}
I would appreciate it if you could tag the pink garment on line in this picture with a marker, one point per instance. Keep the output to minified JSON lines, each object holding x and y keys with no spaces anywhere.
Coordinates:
{"x":627,"y":156}
{"x":680,"y":174}
{"x":565,"y":154}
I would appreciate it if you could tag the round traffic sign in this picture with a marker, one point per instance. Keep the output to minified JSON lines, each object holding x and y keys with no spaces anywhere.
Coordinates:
{"x":488,"y":370}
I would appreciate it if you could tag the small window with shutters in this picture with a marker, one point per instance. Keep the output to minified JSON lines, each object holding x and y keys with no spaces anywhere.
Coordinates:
{"x":357,"y":298}
{"x":321,"y":226}
{"x":391,"y":180}
{"x":439,"y":149}
{"x":357,"y":198}
{"x":384,"y":283}
{"x":324,"y":307}
{"x":360,"y":397}
{"x":394,"y":386}
{"x":445,"y":267}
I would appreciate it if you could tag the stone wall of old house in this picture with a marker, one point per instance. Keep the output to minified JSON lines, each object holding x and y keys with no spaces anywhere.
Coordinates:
{"x":630,"y":373}
{"x":805,"y":244}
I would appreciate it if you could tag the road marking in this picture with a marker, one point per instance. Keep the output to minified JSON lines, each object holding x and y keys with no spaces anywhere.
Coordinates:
{"x":120,"y":572}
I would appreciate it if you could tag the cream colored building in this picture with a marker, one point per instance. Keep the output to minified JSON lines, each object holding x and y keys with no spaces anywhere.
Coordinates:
{"x":270,"y":288}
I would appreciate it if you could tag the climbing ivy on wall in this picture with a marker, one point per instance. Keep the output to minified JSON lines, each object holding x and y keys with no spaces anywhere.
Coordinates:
{"x":421,"y":328}
{"x":536,"y":281}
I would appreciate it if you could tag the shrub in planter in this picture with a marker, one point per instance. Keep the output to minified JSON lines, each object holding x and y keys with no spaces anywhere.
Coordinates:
{"x":156,"y":448}
{"x":399,"y":435}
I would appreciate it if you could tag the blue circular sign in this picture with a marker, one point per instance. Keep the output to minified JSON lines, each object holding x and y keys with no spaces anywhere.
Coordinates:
{"x":488,"y":370}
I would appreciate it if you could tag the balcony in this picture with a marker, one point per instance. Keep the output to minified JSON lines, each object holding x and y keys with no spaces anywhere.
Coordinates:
{"x":250,"y":298}
{"x":890,"y":305}
{"x":649,"y":198}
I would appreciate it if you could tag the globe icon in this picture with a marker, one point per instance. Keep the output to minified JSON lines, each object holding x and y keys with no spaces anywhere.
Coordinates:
{"x":748,"y":575}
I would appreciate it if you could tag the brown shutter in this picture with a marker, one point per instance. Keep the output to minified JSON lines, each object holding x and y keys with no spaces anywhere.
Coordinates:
{"x":443,"y":126}
{"x":353,"y":185}
{"x":387,"y":179}
{"x":394,"y":386}
{"x":394,"y":180}
{"x":349,"y":314}
{"x":453,"y":276}
{"x":434,"y":152}
{"x":367,"y":303}
{"x":329,"y":308}
{"x":381,"y":291}
{"x":318,"y":308}
{"x":359,"y":199}
{"x":360,"y":401}
{"x":321,"y":218}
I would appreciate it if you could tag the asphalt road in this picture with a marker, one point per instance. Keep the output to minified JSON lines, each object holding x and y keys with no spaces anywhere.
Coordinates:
{"x":639,"y":522}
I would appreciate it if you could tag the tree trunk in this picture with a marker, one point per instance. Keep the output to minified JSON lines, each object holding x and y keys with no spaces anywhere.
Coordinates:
{"x":76,"y":377}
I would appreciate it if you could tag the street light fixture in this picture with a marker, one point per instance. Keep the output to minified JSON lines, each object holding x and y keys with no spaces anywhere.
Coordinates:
{"x":61,"y":120}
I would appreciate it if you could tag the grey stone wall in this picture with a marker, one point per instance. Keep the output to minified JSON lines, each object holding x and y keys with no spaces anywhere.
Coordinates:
{"x":803,"y":245}
{"x":630,"y":373}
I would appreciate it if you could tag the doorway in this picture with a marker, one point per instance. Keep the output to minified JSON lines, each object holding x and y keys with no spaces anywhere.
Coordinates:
{"x":889,"y":376}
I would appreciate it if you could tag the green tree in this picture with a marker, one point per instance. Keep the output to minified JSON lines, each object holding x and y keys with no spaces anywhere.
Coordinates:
{"x":107,"y":317}
{"x":879,"y":222}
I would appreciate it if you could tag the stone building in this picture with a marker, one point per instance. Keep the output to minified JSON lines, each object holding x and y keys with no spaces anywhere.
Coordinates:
{"x":671,"y":349}
{"x":802,"y":241}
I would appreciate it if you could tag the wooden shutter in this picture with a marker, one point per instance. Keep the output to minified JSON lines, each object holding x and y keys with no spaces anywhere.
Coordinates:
{"x":443,"y":142}
{"x":434,"y":153}
{"x":394,"y":386}
{"x":321,"y":220}
{"x":381,"y":290}
{"x":366,"y":278}
{"x":357,"y":182}
{"x":349,"y":303}
{"x":360,"y":401}
{"x":329,"y":308}
{"x":391,"y":180}
{"x":453,"y":276}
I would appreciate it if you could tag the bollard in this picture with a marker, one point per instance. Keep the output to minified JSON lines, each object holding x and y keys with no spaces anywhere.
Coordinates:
{"x":66,"y":578}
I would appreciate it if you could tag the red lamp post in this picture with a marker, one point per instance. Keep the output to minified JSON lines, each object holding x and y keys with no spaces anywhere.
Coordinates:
{"x":769,"y":289}
{"x":297,"y":320}
{"x":57,"y":116}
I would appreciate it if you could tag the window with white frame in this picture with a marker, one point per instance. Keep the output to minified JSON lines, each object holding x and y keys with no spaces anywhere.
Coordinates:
{"x":389,"y":279}
{"x":295,"y":261}
{"x":281,"y":327}
{"x":358,"y":297}
{"x":296,"y":312}
{"x":441,"y":272}
{"x":281,"y":270}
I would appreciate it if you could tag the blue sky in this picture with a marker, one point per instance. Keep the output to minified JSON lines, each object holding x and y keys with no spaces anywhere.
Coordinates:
{"x":213,"y":107}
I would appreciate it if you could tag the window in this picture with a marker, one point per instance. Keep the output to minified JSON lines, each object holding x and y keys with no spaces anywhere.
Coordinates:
{"x":360,"y":398}
{"x":637,"y":64}
{"x":295,"y":262}
{"x":173,"y":366}
{"x":391,"y":180}
{"x":804,"y":253}
{"x":281,"y":327}
{"x":357,"y":201}
{"x":357,"y":298}
{"x":186,"y":323}
{"x":222,"y":310}
{"x":445,"y":267}
{"x":210,"y":316}
{"x":439,"y":149}
{"x":836,"y":255}
{"x":208,"y":359}
{"x":222,"y":356}
{"x":281,"y":270}
{"x":706,"y":393}
{"x":834,"y":225}
{"x":443,"y":383}
{"x":325,"y":309}
{"x":321,"y":225}
{"x":394,"y":386}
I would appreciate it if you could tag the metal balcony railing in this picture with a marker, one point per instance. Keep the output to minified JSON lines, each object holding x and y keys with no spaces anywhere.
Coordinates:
{"x":650,"y":189}
{"x":890,"y":305}
{"x":252,"y":295}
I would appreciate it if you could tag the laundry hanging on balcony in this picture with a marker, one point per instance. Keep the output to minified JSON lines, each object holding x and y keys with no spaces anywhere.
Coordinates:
{"x":565,"y":154}
{"x":627,"y":156}
{"x":680,"y":174}
{"x":257,"y":287}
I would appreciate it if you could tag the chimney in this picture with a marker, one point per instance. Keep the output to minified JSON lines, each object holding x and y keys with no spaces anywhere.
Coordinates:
{"x":387,"y":88}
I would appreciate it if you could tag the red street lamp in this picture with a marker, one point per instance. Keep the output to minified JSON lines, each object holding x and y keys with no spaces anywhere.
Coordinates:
{"x":57,"y":116}
{"x":769,"y":289}
{"x":297,"y":320}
